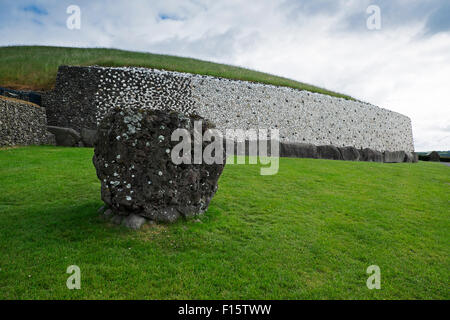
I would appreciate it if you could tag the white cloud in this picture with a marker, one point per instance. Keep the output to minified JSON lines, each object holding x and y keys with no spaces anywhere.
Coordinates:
{"x":397,"y":67}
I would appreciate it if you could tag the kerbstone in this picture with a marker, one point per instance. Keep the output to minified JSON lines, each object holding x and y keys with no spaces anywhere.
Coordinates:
{"x":370,"y":155}
{"x":349,"y":153}
{"x":328,"y":152}
{"x":66,"y":137}
{"x":298,"y":150}
{"x":394,"y":156}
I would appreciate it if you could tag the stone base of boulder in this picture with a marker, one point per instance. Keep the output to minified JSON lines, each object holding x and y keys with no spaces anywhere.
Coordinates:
{"x":132,"y":221}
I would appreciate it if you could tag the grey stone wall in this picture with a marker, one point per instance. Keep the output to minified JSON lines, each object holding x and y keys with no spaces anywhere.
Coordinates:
{"x":72,"y":102}
{"x":83,"y":95}
{"x":22,"y":123}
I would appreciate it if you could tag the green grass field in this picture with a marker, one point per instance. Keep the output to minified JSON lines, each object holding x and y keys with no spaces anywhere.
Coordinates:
{"x":308,"y":232}
{"x":35,"y":67}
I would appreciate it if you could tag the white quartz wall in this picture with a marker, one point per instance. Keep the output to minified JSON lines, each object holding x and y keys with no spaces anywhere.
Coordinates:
{"x":300,"y":116}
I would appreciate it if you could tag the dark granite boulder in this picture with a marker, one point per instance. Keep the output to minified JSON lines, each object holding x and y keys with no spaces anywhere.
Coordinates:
{"x":394,"y":156}
{"x":370,"y":155}
{"x":328,"y":152}
{"x":133,"y":159}
{"x":349,"y":153}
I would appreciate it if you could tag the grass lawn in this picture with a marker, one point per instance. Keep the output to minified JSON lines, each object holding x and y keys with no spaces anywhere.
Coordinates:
{"x":35,"y":67}
{"x":308,"y":232}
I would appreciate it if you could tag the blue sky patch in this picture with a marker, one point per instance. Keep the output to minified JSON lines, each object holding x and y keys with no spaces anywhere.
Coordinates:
{"x":36,"y":10}
{"x":166,"y":16}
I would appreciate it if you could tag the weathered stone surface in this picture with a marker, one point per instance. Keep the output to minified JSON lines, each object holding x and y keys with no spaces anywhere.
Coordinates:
{"x":133,"y":161}
{"x":434,"y":156}
{"x":394,"y":156}
{"x":328,"y":152}
{"x":409,"y":157}
{"x":415,"y":157}
{"x":133,"y":221}
{"x":88,"y":137}
{"x":22,"y":123}
{"x":349,"y":153}
{"x":67,"y":137}
{"x":298,"y":150}
{"x":370,"y":155}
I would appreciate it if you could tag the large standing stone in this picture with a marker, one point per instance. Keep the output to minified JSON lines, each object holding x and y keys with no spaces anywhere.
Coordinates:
{"x":133,"y":161}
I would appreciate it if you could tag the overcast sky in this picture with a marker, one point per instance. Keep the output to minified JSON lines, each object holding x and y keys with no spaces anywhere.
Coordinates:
{"x":404,"y":66}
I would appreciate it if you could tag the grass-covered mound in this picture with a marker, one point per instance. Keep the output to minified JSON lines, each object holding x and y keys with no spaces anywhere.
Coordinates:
{"x":35,"y":67}
{"x":308,"y":232}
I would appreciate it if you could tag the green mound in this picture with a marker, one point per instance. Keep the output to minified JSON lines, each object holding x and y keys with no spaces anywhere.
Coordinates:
{"x":35,"y":67}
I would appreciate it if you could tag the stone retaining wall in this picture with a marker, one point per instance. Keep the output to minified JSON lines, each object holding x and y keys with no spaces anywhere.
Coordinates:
{"x":22,"y":123}
{"x":83,"y":95}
